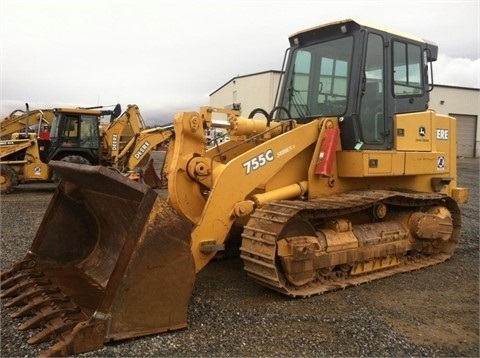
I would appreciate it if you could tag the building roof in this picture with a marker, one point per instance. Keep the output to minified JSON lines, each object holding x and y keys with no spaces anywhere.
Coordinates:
{"x":244,"y":76}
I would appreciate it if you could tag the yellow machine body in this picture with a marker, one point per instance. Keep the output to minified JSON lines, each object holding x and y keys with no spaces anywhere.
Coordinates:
{"x":328,"y":194}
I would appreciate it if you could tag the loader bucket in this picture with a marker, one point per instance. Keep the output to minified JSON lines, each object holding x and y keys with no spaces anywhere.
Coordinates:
{"x":111,"y":260}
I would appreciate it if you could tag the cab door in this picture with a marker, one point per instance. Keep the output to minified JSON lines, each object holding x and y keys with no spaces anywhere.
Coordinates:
{"x":374,"y":129}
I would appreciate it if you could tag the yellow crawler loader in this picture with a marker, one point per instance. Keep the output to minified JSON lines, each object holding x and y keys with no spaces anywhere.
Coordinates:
{"x":350,"y":178}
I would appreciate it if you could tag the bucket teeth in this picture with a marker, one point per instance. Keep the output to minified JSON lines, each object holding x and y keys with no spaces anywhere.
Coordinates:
{"x":30,"y":294}
{"x":44,"y":315}
{"x":13,"y":279}
{"x":34,"y":305}
{"x":44,"y":335}
{"x":52,"y":311}
{"x":23,"y":285}
{"x":51,"y":332}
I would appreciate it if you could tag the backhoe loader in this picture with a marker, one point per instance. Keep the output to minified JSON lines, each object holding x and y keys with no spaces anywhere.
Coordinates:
{"x":349,"y":179}
{"x":68,"y":134}
{"x":74,"y":136}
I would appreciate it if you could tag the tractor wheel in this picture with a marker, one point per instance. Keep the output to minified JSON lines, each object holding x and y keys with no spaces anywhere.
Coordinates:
{"x":8,"y":179}
{"x":71,"y":159}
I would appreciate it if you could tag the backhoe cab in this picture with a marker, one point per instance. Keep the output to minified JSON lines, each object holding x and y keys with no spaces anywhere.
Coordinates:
{"x":75,"y":131}
{"x":346,"y":181}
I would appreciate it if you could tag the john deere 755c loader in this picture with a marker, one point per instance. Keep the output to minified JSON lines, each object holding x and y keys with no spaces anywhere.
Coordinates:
{"x":350,"y":178}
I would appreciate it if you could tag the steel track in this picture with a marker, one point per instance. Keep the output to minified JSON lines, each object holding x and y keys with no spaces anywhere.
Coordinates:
{"x":260,"y":236}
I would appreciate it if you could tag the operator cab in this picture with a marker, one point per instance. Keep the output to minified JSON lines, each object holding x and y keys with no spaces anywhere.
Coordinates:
{"x":361,"y":74}
{"x":75,"y":131}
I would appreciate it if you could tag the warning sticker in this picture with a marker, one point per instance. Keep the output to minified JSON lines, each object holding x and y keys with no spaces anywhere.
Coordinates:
{"x":441,"y":163}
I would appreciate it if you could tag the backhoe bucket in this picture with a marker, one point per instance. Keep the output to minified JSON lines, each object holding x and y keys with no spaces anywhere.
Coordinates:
{"x":111,"y":260}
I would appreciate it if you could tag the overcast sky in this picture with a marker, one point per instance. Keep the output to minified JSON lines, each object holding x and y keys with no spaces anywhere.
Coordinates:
{"x":168,"y":56}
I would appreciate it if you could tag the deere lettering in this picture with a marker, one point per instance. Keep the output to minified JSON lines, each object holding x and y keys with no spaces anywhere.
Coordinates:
{"x":114,"y":141}
{"x":142,"y":149}
{"x":442,"y":134}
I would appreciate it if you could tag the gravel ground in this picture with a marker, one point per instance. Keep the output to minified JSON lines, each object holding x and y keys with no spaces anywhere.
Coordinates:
{"x":430,"y":312}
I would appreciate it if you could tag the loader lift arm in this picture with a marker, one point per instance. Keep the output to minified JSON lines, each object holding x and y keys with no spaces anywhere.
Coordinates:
{"x":20,"y":121}
{"x":232,"y":184}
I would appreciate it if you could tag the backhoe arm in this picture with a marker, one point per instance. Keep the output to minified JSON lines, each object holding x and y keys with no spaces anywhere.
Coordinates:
{"x":14,"y":122}
{"x":114,"y":139}
{"x":136,"y":152}
{"x":127,"y":144}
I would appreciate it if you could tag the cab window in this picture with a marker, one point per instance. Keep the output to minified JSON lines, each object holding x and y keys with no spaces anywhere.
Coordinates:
{"x":372,"y":104}
{"x":407,"y":69}
{"x":318,"y":80}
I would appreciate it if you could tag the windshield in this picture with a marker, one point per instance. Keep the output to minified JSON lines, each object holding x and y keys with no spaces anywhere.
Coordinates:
{"x":76,"y":130}
{"x":317,"y":80}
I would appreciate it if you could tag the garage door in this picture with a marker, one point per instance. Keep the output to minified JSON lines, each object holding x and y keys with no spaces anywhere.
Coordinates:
{"x":466,"y":129}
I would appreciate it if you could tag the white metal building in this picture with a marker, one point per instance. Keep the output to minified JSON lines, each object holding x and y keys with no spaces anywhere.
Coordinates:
{"x":258,"y":90}
{"x":248,"y":92}
{"x":463,"y":104}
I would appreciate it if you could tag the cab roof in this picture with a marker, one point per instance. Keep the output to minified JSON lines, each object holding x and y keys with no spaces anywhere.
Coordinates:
{"x":348,"y":25}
